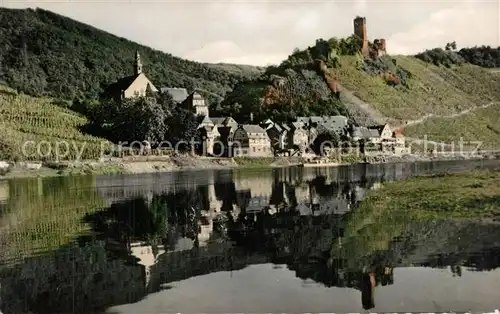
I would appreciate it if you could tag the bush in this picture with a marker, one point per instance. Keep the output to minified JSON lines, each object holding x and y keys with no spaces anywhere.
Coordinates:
{"x":438,"y":56}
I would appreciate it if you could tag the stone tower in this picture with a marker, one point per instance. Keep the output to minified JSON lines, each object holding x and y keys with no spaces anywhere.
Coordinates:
{"x":360,"y":31}
{"x":138,"y":64}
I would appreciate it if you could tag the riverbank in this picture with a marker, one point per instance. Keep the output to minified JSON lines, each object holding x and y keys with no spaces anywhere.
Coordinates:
{"x":387,"y":213}
{"x":150,"y":164}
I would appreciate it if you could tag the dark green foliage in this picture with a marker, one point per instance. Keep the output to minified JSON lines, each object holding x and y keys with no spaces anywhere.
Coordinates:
{"x":387,"y":67}
{"x":325,"y":50}
{"x":182,"y":129}
{"x":451,"y":46}
{"x":137,"y":119}
{"x":438,"y":56}
{"x":300,"y":93}
{"x":484,"y":56}
{"x":43,"y":53}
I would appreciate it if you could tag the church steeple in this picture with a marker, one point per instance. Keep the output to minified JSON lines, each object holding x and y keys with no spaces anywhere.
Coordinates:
{"x":138,"y":64}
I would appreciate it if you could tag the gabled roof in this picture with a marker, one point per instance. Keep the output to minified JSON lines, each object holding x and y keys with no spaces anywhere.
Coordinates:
{"x":178,"y":94}
{"x":223,"y":121}
{"x":119,"y":86}
{"x":207,"y":121}
{"x":218,"y":121}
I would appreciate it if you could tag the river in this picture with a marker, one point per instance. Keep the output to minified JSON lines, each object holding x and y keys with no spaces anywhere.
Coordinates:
{"x":235,"y":241}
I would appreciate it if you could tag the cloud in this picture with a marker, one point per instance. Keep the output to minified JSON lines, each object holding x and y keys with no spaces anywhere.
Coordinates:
{"x":229,"y":52}
{"x":467,"y":23}
{"x":263,"y":32}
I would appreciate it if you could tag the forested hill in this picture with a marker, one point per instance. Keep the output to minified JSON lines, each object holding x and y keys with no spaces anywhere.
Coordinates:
{"x":46,"y":54}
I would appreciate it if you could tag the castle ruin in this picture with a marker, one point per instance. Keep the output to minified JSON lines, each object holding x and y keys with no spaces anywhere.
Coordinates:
{"x":375,"y":49}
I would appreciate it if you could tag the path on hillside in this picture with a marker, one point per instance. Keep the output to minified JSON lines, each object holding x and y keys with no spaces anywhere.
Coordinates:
{"x":453,"y":115}
{"x":362,"y":112}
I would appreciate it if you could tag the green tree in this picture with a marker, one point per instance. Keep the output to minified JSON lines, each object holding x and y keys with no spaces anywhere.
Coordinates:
{"x":182,"y":126}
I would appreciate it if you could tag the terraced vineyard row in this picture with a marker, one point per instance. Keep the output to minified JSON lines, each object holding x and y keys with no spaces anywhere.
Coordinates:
{"x":432,"y":89}
{"x":45,"y":126}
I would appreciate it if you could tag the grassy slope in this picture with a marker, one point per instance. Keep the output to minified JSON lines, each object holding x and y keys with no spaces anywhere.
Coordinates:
{"x":433,"y":89}
{"x":24,"y":118}
{"x":478,"y":125}
{"x":439,"y":91}
{"x":385,"y":214}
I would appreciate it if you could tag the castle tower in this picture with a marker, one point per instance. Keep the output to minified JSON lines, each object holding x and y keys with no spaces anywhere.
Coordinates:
{"x":138,"y":64}
{"x":360,"y":31}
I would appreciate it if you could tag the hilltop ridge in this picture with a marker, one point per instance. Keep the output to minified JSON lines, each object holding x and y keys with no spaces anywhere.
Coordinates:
{"x":374,"y":87}
{"x":47,"y":54}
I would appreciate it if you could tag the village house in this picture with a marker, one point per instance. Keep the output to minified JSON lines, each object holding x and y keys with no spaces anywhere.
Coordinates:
{"x":193,"y":102}
{"x":132,"y":86}
{"x":381,"y":139}
{"x":217,"y":129}
{"x":298,"y":137}
{"x":277,"y":133}
{"x":252,"y":141}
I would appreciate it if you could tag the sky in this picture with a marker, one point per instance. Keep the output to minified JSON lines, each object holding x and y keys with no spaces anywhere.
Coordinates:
{"x":265,"y":32}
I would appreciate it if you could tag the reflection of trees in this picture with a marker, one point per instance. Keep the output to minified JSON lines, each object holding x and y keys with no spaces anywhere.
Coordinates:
{"x":103,"y":272}
{"x":71,"y":280}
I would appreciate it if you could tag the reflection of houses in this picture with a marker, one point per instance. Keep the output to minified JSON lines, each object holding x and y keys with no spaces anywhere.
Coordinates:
{"x":4,"y":191}
{"x":252,"y":141}
{"x":146,"y":255}
{"x":131,"y":86}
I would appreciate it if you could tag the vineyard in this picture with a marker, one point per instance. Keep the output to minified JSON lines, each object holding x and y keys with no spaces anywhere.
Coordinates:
{"x":431,"y":89}
{"x":24,"y":118}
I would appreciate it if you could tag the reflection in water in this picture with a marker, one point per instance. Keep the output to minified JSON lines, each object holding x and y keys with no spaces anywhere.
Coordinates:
{"x":139,"y":235}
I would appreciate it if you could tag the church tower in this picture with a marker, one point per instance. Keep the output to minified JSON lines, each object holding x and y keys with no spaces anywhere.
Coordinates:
{"x":138,"y":64}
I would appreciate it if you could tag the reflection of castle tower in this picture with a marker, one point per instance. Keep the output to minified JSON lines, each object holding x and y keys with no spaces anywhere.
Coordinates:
{"x":303,"y":197}
{"x":4,"y":191}
{"x":146,"y":256}
{"x":260,"y":188}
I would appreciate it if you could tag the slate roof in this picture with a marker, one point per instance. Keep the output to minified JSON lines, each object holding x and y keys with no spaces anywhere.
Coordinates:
{"x":298,"y":124}
{"x":119,"y":86}
{"x":177,"y":93}
{"x":364,"y":132}
{"x":253,"y":128}
{"x":379,"y":128}
{"x":218,"y":121}
{"x":326,"y":123}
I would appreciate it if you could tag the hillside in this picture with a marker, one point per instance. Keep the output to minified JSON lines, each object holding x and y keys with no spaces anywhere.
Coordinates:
{"x":24,"y":118}
{"x":394,"y":89}
{"x":46,"y":54}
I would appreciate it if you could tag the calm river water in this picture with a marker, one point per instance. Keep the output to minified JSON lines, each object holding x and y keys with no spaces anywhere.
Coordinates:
{"x":236,"y":241}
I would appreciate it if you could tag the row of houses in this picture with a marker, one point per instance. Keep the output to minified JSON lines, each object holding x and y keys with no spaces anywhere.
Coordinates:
{"x":269,"y":138}
{"x":224,"y":136}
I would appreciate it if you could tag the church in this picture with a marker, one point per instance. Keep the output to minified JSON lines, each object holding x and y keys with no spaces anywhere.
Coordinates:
{"x":131,"y":86}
